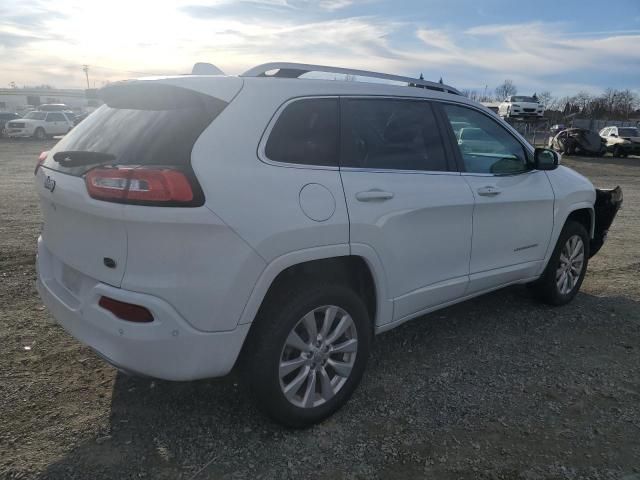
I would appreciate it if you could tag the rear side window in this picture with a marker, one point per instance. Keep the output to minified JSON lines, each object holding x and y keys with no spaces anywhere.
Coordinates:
{"x":151,"y":124}
{"x":55,"y":117}
{"x":391,"y":134}
{"x":306,"y":133}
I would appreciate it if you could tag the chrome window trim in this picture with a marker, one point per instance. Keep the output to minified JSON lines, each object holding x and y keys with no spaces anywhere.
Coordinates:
{"x":262,"y":145}
{"x":262,"y":156}
{"x":527,"y":147}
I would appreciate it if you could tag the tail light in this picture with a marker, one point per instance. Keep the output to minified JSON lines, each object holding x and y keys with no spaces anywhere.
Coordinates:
{"x":126,"y":311}
{"x":41,"y":159}
{"x":141,"y":185}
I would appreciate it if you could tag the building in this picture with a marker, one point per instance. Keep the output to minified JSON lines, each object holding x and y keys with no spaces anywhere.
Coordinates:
{"x":21,"y":100}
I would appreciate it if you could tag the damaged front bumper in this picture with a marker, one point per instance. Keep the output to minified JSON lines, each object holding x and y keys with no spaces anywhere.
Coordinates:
{"x":608,"y":202}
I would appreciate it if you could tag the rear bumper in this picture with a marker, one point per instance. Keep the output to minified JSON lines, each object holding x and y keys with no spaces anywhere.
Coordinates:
{"x":167,"y":348}
{"x":526,"y":114}
{"x":629,"y":148}
{"x":606,"y":207}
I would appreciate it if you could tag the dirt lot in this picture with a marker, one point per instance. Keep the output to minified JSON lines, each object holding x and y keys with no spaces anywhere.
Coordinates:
{"x":496,"y":388}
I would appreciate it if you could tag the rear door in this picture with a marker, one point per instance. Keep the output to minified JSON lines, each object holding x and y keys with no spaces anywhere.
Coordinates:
{"x":513,"y":215}
{"x":56,"y":123}
{"x":405,"y":201}
{"x":146,"y":124}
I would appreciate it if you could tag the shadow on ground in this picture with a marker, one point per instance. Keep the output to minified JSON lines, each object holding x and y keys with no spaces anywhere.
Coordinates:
{"x":497,"y":387}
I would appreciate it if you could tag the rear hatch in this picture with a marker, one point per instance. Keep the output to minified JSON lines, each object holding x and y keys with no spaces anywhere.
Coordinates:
{"x":146,"y":124}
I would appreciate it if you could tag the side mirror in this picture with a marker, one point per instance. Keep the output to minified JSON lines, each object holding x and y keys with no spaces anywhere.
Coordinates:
{"x":546,"y":159}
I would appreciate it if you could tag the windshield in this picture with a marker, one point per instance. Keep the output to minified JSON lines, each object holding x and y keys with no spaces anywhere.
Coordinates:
{"x":628,"y":132}
{"x":524,"y":99}
{"x":35,"y":115}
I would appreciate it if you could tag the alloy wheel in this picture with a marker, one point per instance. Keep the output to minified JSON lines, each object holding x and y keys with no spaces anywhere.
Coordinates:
{"x":318,"y":356}
{"x":571,"y":265}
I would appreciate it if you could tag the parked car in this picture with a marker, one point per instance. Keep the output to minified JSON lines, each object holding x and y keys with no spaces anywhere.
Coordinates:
{"x":54,"y":107}
{"x":194,"y":223}
{"x":39,"y":125}
{"x":621,"y":141}
{"x":5,"y":117}
{"x":80,"y":117}
{"x":578,"y":141}
{"x":520,"y":106}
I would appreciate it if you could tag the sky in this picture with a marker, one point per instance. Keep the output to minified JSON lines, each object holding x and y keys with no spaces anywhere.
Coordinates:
{"x":561,"y":46}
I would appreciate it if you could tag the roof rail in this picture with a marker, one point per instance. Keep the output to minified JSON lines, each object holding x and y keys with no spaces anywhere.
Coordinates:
{"x":295,"y":70}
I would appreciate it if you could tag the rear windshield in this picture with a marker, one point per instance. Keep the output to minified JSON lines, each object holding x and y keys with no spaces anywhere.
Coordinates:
{"x":140,"y":125}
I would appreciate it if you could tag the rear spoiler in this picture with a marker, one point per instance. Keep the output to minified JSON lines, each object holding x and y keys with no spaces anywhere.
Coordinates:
{"x":608,"y":202}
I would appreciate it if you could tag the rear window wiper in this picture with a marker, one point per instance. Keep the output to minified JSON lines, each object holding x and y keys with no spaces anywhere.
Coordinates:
{"x":76,"y":158}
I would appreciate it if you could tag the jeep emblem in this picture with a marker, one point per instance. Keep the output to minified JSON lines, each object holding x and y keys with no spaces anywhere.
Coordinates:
{"x":49,"y":183}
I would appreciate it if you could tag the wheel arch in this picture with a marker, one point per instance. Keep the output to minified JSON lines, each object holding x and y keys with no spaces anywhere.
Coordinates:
{"x":584,"y":214}
{"x":361,"y":268}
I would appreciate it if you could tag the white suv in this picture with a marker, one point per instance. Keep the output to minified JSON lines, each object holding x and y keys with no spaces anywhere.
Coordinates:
{"x":521,"y":107}
{"x":196,"y":222}
{"x":39,"y":125}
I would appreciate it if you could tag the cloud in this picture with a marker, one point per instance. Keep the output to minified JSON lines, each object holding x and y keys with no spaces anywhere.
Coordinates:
{"x":219,"y":7}
{"x":332,"y":5}
{"x":13,"y":40}
{"x":235,"y":35}
{"x":436,"y":38}
{"x":530,"y":51}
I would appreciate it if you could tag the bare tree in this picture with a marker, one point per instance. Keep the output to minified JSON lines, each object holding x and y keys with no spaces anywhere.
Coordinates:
{"x":625,"y":102}
{"x":582,"y":100}
{"x":506,"y":89}
{"x":545,"y":98}
{"x":471,"y":94}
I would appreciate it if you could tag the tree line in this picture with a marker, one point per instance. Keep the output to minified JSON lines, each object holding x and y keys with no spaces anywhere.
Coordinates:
{"x":610,"y":104}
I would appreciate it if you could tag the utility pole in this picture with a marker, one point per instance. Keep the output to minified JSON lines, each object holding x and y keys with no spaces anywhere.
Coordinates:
{"x":85,"y":69}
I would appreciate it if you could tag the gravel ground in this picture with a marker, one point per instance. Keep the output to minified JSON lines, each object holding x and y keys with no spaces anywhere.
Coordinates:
{"x":499,"y":387}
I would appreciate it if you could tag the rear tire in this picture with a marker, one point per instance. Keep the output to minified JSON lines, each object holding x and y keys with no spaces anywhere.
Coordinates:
{"x":567,"y":266}
{"x":617,"y":152}
{"x":39,"y":134}
{"x":294,"y":382}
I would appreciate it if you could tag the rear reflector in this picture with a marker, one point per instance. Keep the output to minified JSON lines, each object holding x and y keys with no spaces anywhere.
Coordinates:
{"x":41,"y":159}
{"x":126,"y":311}
{"x":144,"y":185}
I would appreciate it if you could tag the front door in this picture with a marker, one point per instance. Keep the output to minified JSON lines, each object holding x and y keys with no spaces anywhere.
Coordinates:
{"x":406,"y":201}
{"x":513,"y":215}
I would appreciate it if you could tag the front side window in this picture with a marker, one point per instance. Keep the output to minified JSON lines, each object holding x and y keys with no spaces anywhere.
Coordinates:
{"x":391,"y":134}
{"x":306,"y":133}
{"x":628,"y":132}
{"x":485,"y":146}
{"x":35,"y":116}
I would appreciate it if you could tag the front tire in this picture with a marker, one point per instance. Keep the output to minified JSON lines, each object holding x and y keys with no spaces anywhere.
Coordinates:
{"x":307,"y":352}
{"x":39,"y":134}
{"x":617,"y":151}
{"x":567,"y":266}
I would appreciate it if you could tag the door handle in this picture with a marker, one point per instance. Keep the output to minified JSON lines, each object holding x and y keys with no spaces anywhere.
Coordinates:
{"x":489,"y":191}
{"x":374,"y":195}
